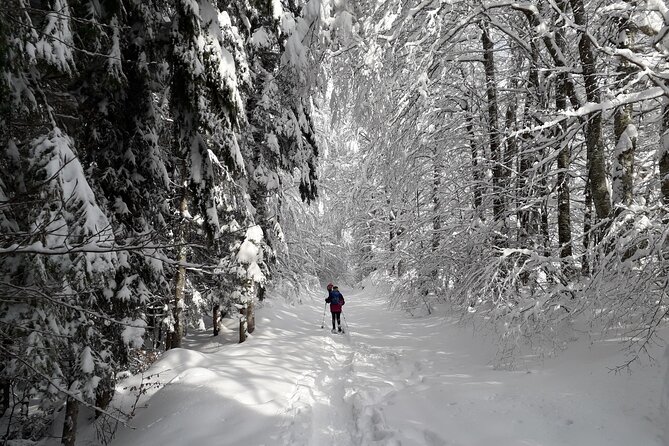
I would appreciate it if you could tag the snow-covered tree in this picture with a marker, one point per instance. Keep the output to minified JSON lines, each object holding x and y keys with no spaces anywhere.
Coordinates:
{"x":530,"y":204}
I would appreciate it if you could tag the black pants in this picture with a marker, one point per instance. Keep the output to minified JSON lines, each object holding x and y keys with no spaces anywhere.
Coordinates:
{"x":336,"y":316}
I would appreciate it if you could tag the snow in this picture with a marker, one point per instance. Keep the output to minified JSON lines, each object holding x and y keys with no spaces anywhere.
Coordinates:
{"x":254,"y":233}
{"x":295,"y":53}
{"x":56,"y":43}
{"x":248,"y":252}
{"x":62,"y":163}
{"x":277,"y":9}
{"x":261,"y":38}
{"x":211,"y":44}
{"x":86,"y":363}
{"x":254,"y":272}
{"x":391,"y":380}
{"x":273,"y":143}
{"x":133,"y":332}
{"x":114,"y":66}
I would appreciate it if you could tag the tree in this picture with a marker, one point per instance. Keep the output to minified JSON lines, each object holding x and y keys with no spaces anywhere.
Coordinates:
{"x":95,"y":192}
{"x":594,"y":143}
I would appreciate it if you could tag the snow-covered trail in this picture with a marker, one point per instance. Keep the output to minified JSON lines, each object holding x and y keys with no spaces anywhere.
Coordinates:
{"x":392,"y":380}
{"x":356,"y":373}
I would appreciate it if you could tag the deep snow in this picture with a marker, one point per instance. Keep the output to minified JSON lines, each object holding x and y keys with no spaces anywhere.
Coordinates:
{"x":392,"y":380}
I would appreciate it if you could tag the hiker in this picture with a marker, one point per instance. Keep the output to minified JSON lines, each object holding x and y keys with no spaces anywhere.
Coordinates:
{"x":336,"y":301}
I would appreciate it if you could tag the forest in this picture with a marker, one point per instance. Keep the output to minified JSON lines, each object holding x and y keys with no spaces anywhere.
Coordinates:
{"x":169,"y":162}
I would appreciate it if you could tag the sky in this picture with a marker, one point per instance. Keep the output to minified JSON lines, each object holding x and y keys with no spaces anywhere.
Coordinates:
{"x":391,"y":379}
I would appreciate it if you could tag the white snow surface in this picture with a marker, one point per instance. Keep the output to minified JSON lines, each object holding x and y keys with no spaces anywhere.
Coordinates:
{"x":390,"y":380}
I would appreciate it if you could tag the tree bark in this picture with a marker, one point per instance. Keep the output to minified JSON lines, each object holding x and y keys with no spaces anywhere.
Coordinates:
{"x":5,"y":388}
{"x":563,"y":163}
{"x":528,"y":212}
{"x":177,"y":311}
{"x":177,"y":334}
{"x":250,"y":317}
{"x":625,"y":131}
{"x":70,"y":423}
{"x":242,"y":325}
{"x":103,"y":396}
{"x":476,"y":169}
{"x":593,"y":139}
{"x":545,"y":227}
{"x":587,"y":235}
{"x":436,"y":202}
{"x":5,"y":383}
{"x":564,"y":201}
{"x":215,"y":317}
{"x":622,"y":175}
{"x":511,"y":141}
{"x":663,"y":155}
{"x":493,"y":125}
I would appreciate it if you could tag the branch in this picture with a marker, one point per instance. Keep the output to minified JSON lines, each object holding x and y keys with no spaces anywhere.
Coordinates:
{"x":62,"y":390}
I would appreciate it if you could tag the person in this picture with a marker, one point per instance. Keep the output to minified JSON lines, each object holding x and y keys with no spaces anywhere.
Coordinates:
{"x":336,"y":301}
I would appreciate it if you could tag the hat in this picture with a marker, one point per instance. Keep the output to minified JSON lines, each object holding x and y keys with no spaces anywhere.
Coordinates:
{"x":330,"y":285}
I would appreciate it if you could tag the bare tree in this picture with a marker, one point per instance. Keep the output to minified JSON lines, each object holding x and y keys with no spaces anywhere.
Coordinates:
{"x":593,"y":139}
{"x":493,"y":124}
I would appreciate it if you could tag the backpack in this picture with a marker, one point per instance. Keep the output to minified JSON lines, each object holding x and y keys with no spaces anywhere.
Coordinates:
{"x":335,"y":299}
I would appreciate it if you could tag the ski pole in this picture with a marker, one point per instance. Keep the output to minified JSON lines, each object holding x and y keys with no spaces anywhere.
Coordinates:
{"x":323,"y":322}
{"x":346,"y":323}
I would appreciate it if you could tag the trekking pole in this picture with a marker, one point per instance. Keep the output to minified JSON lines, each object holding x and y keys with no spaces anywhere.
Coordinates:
{"x":323,"y":322}
{"x":346,"y":324}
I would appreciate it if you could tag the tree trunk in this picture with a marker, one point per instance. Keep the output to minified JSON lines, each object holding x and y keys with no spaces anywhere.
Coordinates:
{"x":563,"y":164}
{"x":528,"y":212}
{"x":103,"y":396}
{"x":70,"y":423}
{"x":393,"y":233}
{"x":436,"y":202}
{"x":5,"y":394}
{"x":476,"y":169}
{"x":625,"y":131}
{"x":511,"y":141}
{"x":5,"y":383}
{"x":587,"y":227}
{"x":545,"y":227}
{"x":624,"y":163}
{"x":663,"y":154}
{"x":493,"y":125}
{"x":564,"y":204}
{"x":250,"y":317}
{"x":177,"y":335}
{"x":593,"y":139}
{"x":242,"y":325}
{"x":214,"y":318}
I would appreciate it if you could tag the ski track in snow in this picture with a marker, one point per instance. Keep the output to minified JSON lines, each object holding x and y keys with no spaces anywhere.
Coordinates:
{"x":315,"y":414}
{"x":343,"y":403}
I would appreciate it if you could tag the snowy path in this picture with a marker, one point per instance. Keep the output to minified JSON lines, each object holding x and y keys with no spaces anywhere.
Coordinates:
{"x":315,"y":413}
{"x":391,"y":381}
